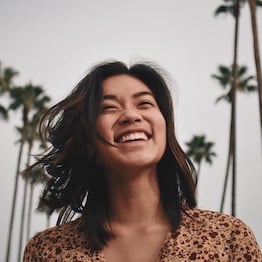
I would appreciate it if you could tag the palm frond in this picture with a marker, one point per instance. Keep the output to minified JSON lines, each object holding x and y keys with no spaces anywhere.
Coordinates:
{"x":43,"y":208}
{"x":226,"y":97}
{"x":223,"y":81}
{"x":251,"y":88}
{"x":244,"y":83}
{"x":223,"y":9}
{"x":242,"y":70}
{"x":35,"y":175}
{"x":259,"y":3}
{"x":224,"y":70}
{"x":3,"y":112}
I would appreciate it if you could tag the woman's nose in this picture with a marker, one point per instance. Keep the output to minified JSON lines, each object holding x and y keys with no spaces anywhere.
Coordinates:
{"x":130,"y":115}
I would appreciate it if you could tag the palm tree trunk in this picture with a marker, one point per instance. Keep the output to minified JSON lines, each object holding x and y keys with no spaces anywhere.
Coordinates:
{"x":229,"y":159}
{"x":11,"y":223}
{"x":21,"y":234}
{"x":233,"y":116}
{"x":197,"y":179}
{"x":198,"y":172}
{"x":22,"y":142}
{"x":48,"y":217}
{"x":31,"y":190}
{"x":29,"y":211}
{"x":252,"y":6}
{"x":24,"y":206}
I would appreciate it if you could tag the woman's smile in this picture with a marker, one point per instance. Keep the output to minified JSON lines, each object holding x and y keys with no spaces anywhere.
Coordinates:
{"x":132,"y":135}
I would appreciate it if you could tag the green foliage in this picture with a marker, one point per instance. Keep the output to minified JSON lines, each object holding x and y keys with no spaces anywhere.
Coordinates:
{"x":223,"y":9}
{"x":7,"y":76}
{"x":6,"y":79}
{"x":25,"y":96}
{"x":233,"y":7}
{"x":259,"y":3}
{"x":245,"y":83}
{"x":199,"y":149}
{"x":35,"y":175}
{"x":3,"y":113}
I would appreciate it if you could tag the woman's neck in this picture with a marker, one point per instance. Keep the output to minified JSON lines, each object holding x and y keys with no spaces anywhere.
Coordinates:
{"x":135,"y":200}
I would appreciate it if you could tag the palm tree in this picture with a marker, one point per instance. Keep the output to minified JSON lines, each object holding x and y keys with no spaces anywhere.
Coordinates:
{"x":7,"y":76}
{"x":199,"y":149}
{"x":233,"y":7}
{"x":245,"y":83}
{"x":252,"y":6}
{"x":31,"y":136}
{"x":26,"y":98}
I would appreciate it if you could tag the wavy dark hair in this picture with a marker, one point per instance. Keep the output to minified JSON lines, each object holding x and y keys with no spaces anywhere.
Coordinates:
{"x":77,"y":183}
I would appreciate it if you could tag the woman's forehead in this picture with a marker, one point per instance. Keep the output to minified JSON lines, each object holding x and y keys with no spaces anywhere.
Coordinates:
{"x":123,"y":83}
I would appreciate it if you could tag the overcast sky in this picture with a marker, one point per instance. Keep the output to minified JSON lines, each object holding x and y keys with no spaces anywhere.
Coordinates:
{"x":53,"y":43}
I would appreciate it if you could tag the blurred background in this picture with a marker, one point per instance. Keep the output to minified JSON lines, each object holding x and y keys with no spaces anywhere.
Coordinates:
{"x":46,"y":47}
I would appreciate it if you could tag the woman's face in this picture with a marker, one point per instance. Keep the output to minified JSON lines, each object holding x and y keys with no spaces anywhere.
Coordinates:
{"x":131,"y":128}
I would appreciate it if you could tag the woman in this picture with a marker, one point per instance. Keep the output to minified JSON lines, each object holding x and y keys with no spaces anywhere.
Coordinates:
{"x":115,"y":160}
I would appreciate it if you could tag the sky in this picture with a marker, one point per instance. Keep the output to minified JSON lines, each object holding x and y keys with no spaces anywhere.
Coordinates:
{"x":54,"y":43}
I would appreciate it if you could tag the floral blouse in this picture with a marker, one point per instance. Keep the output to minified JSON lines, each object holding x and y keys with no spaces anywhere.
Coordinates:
{"x":202,"y":236}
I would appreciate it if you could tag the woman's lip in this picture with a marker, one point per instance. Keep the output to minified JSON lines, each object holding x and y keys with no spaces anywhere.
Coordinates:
{"x":135,"y":144}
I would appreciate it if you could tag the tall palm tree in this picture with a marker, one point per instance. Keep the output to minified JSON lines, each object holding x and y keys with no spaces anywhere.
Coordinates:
{"x":252,"y":6}
{"x":31,"y":136}
{"x":244,"y":83}
{"x":26,"y":98}
{"x":7,"y":76}
{"x":233,"y":7}
{"x":199,"y":149}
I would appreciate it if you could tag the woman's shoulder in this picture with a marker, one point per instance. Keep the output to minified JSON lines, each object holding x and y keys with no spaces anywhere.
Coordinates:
{"x":58,"y":233}
{"x":216,"y":234}
{"x":60,"y":242}
{"x":210,"y":216}
{"x":215,"y":221}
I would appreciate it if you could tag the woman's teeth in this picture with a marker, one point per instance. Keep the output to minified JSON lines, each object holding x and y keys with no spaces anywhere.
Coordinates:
{"x":133,"y":137}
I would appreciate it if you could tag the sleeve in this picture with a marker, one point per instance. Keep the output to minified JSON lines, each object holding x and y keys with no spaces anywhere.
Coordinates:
{"x":31,"y":252}
{"x":244,"y":246}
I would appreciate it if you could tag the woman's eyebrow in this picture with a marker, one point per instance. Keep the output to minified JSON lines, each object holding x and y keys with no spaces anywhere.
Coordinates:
{"x":142,"y":93}
{"x":138,"y":94}
{"x":109,"y":97}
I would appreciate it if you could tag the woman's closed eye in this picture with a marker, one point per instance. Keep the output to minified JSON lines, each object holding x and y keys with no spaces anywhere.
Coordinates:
{"x":109,"y":108}
{"x":145,"y":104}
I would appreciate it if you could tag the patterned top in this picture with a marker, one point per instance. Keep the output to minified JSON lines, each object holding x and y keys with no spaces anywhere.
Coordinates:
{"x":202,"y":236}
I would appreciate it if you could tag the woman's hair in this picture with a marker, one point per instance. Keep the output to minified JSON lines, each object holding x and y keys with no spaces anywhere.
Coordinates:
{"x":77,"y":183}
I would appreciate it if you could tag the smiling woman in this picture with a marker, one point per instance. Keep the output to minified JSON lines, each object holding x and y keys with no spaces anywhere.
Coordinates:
{"x":115,"y":160}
